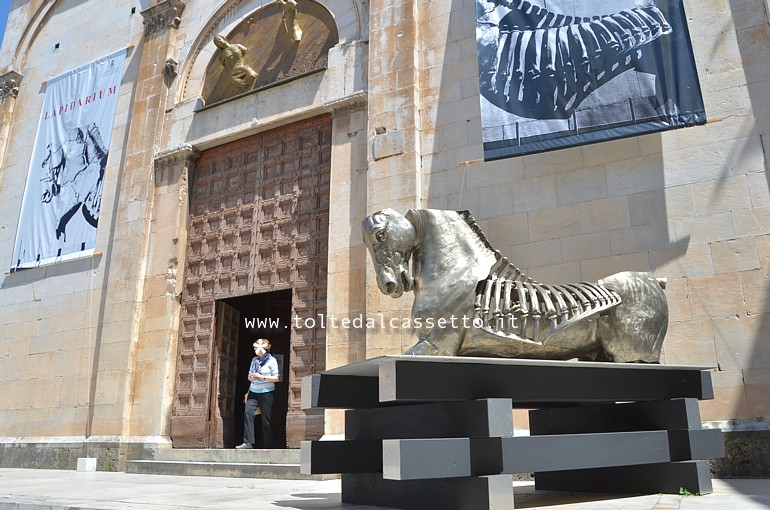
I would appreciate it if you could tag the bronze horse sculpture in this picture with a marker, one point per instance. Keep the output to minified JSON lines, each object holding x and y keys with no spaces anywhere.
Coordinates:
{"x":490,"y":308}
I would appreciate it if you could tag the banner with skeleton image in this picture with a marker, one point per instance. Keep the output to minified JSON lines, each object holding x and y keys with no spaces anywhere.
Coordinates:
{"x":62,"y":198}
{"x":560,"y":73}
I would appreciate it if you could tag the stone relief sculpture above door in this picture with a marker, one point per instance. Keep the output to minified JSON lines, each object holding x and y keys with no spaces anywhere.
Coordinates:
{"x":280,"y":41}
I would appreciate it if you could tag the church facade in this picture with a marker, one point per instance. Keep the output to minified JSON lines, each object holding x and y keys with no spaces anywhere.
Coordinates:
{"x":249,"y":140}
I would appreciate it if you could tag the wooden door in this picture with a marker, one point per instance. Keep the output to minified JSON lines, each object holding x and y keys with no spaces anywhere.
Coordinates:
{"x":224,"y":377}
{"x":259,"y":222}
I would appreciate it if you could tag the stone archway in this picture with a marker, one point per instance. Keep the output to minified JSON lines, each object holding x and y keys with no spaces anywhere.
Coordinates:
{"x":259,"y":222}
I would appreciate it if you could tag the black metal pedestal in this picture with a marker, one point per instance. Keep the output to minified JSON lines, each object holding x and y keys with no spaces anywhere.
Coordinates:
{"x":437,"y":432}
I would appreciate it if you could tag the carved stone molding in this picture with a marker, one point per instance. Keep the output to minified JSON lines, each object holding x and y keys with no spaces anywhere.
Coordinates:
{"x":9,"y":84}
{"x":184,"y":154}
{"x":346,"y":104}
{"x":159,"y":17}
{"x":171,"y":68}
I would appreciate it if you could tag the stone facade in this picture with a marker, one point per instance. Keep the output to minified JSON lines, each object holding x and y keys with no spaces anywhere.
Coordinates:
{"x":88,"y":348}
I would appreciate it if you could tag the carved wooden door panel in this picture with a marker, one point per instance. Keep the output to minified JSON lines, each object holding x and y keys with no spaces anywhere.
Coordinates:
{"x":259,"y":222}
{"x":224,"y":374}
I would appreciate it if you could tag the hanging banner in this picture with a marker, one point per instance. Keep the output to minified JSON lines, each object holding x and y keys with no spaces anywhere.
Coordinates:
{"x":560,"y":73}
{"x":60,"y":208}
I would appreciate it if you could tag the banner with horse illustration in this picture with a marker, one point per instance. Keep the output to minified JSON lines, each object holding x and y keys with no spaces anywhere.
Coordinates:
{"x":560,"y":73}
{"x":62,"y":198}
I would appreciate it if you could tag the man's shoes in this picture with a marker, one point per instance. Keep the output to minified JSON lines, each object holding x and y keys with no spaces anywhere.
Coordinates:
{"x":244,"y":446}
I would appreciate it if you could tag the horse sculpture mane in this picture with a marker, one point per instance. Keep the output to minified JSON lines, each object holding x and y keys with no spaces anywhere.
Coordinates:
{"x":457,"y":273}
{"x":468,"y":218}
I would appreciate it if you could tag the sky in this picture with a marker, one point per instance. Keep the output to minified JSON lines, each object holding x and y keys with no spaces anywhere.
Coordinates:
{"x":5,"y":6}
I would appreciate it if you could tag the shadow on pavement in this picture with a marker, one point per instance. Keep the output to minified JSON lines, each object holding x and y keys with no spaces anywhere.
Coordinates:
{"x":319,"y":500}
{"x":528,"y":497}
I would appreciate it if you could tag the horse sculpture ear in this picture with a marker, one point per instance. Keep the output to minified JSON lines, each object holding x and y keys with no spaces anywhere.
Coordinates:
{"x":375,"y":223}
{"x":414,"y":218}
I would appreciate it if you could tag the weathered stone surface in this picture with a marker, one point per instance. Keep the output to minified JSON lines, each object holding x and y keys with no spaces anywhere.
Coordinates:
{"x":729,"y":396}
{"x":734,"y":255}
{"x":690,"y":342}
{"x":747,"y":455}
{"x":739,"y":342}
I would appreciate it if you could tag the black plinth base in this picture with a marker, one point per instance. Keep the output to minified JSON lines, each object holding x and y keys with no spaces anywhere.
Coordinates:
{"x":436,"y":432}
{"x":484,"y":492}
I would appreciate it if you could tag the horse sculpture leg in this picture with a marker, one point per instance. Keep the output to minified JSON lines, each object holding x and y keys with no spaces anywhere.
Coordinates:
{"x":633,"y":331}
{"x":441,"y":334}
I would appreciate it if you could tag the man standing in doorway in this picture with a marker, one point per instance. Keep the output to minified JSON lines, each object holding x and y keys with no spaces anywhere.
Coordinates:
{"x":263,"y":375}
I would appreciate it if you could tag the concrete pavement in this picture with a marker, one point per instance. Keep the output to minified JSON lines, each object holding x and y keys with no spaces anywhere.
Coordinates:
{"x":38,"y":489}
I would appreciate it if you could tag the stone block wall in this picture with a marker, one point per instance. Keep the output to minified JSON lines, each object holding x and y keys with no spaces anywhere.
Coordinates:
{"x":88,"y":347}
{"x":64,"y":329}
{"x":690,"y":205}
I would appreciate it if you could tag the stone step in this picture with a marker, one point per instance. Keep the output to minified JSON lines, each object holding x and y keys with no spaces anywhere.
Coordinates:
{"x":273,"y":464}
{"x":282,"y":456}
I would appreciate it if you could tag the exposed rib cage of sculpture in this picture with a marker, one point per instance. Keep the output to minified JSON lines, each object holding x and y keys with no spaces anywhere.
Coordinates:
{"x":510,"y":304}
{"x":548,"y":63}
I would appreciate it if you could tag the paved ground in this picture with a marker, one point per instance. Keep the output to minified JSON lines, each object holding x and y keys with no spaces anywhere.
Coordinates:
{"x":38,"y":489}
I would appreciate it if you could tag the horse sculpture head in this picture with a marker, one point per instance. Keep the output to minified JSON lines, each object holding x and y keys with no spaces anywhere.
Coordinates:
{"x":391,"y":239}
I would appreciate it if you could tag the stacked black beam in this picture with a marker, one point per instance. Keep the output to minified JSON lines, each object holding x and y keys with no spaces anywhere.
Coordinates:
{"x":435,"y":432}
